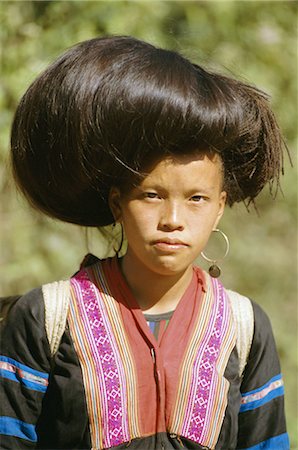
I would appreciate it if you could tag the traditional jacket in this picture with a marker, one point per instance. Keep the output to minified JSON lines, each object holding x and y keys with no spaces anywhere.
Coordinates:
{"x":112,"y":385}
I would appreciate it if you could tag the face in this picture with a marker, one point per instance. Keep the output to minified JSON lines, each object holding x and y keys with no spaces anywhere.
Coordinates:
{"x":170,"y":215}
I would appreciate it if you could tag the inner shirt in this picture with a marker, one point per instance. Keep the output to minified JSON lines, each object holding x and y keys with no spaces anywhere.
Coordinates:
{"x":158,"y":323}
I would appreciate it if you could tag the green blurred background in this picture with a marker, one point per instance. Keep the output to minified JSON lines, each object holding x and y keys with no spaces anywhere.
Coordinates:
{"x":254,"y":41}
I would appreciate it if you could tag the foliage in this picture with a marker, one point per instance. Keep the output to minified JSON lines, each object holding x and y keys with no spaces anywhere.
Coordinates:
{"x":253,"y":40}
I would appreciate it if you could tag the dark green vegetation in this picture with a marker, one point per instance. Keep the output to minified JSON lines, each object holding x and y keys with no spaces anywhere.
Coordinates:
{"x":255,"y":41}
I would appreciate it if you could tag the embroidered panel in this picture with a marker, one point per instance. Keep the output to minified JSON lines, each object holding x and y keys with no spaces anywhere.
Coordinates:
{"x":105,"y":357}
{"x":202,"y":389}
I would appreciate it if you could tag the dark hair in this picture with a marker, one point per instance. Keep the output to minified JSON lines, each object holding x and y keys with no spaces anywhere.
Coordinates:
{"x":109,"y":105}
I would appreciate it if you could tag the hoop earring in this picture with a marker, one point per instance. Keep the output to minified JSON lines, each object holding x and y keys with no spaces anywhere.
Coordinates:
{"x":214,"y":269}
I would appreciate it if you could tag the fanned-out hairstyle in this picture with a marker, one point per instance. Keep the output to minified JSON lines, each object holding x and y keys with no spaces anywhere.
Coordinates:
{"x":108,"y":106}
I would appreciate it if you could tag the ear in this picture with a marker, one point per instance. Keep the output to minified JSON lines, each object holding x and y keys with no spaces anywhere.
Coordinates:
{"x":115,"y":203}
{"x":221,"y":207}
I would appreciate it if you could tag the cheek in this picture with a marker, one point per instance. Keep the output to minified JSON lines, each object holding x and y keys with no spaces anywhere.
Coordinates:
{"x":201,"y":226}
{"x":203,"y":218}
{"x":137,"y":220}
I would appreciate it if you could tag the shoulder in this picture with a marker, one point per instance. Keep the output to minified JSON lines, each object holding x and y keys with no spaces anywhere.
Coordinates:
{"x":23,"y":334}
{"x":261,"y":357}
{"x":253,"y":328}
{"x":263,"y":339}
{"x":20,"y":307}
{"x":261,"y":318}
{"x":245,"y":309}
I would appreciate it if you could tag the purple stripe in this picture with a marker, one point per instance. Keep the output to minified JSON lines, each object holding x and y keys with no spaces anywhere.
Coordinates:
{"x":205,"y":378}
{"x":106,"y":360}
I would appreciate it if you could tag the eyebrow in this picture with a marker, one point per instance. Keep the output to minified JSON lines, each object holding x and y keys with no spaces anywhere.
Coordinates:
{"x":190,"y":192}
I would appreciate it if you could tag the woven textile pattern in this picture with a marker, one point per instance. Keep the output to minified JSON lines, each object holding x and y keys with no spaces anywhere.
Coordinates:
{"x":202,"y":399}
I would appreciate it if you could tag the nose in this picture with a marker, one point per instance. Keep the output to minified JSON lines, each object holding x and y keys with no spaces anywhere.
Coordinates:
{"x":171,"y":217}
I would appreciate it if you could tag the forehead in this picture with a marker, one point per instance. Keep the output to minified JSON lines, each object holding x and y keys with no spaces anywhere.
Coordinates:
{"x":197,"y":167}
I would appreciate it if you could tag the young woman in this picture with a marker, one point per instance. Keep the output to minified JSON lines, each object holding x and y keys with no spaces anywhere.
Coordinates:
{"x":144,"y":351}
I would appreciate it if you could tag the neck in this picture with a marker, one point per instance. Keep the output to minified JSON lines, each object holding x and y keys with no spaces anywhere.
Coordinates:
{"x":154,"y":292}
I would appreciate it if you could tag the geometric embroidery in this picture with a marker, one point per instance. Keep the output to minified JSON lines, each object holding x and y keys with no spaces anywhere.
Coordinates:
{"x":202,"y":383}
{"x":109,"y":372}
{"x":101,"y":364}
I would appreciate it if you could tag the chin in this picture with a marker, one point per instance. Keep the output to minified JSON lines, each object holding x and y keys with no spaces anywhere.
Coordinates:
{"x":170,"y":268}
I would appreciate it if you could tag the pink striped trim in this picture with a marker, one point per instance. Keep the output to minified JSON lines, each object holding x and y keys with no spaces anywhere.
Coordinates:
{"x":261,"y":394}
{"x":23,"y":374}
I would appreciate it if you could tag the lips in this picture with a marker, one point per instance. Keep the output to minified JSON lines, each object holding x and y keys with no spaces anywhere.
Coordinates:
{"x":167,"y":244}
{"x":169,"y":241}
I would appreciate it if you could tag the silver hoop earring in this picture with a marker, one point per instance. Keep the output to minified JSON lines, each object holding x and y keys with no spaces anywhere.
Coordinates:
{"x":214,"y":269}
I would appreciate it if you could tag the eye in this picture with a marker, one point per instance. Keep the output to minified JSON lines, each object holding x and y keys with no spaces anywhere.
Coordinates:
{"x":150,"y":195}
{"x":197,"y":198}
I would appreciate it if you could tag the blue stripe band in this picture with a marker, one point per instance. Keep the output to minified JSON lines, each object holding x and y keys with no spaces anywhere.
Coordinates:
{"x":257,"y":403}
{"x":17,"y":428}
{"x":280,"y":442}
{"x":29,"y":384}
{"x":25,"y":368}
{"x":277,"y":377}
